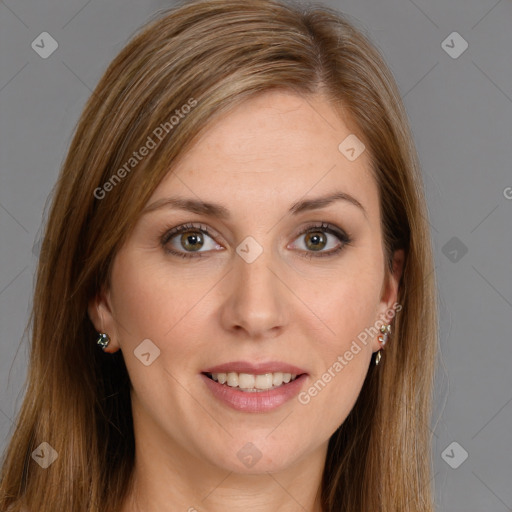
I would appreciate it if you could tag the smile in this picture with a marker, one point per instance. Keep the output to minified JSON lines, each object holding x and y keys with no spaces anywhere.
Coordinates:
{"x":253,"y":383}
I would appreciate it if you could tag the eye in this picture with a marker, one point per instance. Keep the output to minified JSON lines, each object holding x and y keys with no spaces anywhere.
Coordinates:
{"x":188,"y":240}
{"x":192,"y":239}
{"x":316,"y":239}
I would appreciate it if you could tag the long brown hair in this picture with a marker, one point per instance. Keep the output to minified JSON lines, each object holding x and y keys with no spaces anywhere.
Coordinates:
{"x":211,"y":55}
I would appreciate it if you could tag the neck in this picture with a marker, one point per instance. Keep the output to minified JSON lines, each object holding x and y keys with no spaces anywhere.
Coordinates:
{"x":168,"y":477}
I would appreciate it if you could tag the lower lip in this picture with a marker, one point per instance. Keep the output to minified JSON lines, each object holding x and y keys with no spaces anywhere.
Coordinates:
{"x":257,"y":401}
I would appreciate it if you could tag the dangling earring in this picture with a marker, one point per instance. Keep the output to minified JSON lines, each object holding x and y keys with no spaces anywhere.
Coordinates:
{"x":103,"y":340}
{"x":386,"y":331}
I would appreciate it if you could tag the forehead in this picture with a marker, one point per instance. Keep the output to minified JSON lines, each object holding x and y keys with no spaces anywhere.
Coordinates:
{"x":276,"y":147}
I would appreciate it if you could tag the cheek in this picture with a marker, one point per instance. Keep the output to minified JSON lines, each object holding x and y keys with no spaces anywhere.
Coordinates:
{"x":149,"y":297}
{"x":348,"y":306}
{"x":334,"y":389}
{"x":345,"y":350}
{"x":138,"y":303}
{"x":153,"y":300}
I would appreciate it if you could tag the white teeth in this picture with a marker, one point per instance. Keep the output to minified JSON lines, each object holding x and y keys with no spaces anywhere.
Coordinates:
{"x":263,"y":381}
{"x":250,"y":382}
{"x":232,"y":379}
{"x":277,"y":379}
{"x":246,"y":381}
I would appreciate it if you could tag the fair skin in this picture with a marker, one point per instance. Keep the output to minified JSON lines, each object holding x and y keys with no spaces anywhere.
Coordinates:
{"x":263,"y":156}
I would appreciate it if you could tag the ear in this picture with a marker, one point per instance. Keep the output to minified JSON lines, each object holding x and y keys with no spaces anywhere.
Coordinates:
{"x":389,"y":292}
{"x":100,"y":312}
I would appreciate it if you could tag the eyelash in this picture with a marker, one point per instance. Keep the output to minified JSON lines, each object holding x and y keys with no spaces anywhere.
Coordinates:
{"x":345,"y":238}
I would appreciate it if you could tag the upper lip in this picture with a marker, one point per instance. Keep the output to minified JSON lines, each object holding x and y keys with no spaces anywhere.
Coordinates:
{"x":255,"y":368}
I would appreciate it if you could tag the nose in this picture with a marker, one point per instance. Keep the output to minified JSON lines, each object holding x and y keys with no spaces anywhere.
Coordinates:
{"x":256,"y":303}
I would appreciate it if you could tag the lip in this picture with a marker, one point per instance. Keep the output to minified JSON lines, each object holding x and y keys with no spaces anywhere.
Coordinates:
{"x":258,"y":401}
{"x":255,"y":368}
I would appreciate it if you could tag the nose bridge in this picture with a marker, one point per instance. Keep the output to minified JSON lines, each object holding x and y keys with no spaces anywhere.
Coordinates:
{"x":256,"y":303}
{"x":252,"y":265}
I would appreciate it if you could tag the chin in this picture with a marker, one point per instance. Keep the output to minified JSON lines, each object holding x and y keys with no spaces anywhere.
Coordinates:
{"x":256,"y":457}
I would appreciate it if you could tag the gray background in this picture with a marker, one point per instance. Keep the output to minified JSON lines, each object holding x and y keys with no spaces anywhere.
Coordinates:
{"x":461,"y":115}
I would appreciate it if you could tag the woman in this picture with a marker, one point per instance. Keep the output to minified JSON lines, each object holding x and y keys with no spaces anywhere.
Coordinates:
{"x":240,"y":224}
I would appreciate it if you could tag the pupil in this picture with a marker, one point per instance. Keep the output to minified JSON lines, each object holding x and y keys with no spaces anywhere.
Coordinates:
{"x":316,"y":238}
{"x":196,"y":239}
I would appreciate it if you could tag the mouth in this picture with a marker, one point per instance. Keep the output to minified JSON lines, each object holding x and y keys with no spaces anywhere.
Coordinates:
{"x":254,"y":387}
{"x":251,"y":382}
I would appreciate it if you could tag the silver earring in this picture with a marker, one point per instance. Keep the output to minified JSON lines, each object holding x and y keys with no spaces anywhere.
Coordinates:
{"x":103,"y":340}
{"x":386,"y":331}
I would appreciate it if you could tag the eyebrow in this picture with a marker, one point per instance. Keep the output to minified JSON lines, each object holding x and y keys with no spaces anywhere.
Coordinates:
{"x":221,"y":212}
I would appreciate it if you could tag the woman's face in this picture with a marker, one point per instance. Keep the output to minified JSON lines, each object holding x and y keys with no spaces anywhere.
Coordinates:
{"x":262,"y":281}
